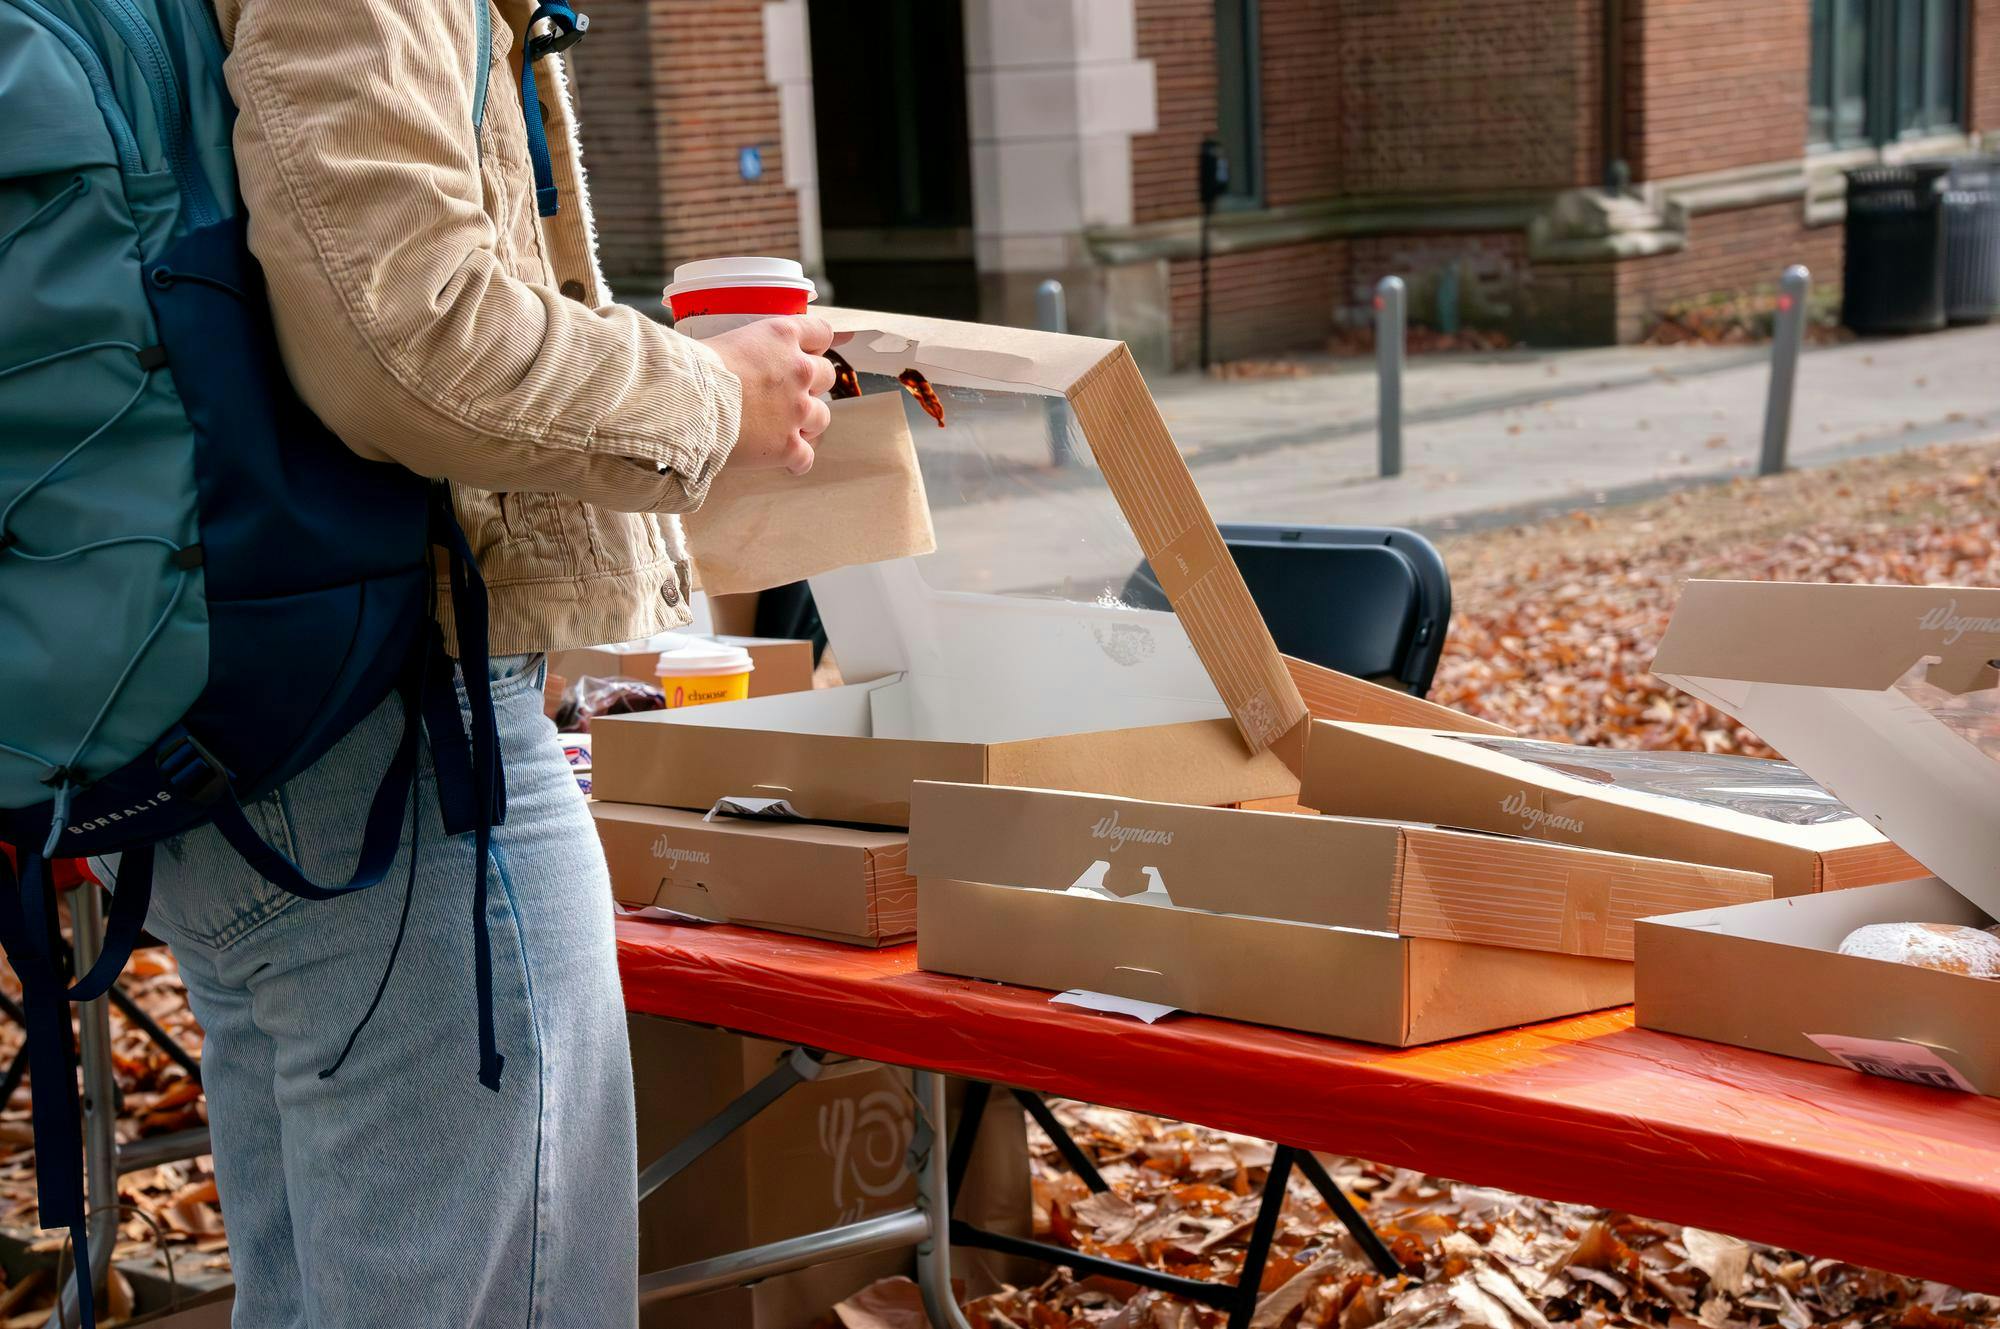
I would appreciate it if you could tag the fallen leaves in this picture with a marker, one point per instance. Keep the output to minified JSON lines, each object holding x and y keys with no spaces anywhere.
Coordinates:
{"x":1246,"y":370}
{"x":1477,"y":1258}
{"x":176,"y":1203}
{"x":1557,"y":624}
{"x":1420,"y":339}
{"x":1742,"y":318}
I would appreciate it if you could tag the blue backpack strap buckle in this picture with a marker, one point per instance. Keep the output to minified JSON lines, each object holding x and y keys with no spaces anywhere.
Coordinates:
{"x":191,"y":771}
{"x":566,"y":28}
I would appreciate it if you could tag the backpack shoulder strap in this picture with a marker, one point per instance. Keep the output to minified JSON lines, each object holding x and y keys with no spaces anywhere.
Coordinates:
{"x":482,"y":60}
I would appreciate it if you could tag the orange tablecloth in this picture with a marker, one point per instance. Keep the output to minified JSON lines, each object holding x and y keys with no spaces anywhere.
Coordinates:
{"x":1590,"y":1109}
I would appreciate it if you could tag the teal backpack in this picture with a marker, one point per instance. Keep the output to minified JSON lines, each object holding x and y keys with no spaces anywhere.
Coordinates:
{"x":174,"y":522}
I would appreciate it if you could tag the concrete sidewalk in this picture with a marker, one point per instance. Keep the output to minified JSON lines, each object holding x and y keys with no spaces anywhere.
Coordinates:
{"x":1509,"y":436}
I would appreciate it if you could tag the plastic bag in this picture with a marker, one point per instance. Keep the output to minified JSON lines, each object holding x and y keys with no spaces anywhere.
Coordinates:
{"x":590,"y":697}
{"x":1774,"y":790}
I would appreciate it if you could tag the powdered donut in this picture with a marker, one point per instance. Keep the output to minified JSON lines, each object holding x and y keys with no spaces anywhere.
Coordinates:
{"x":1949,"y":947}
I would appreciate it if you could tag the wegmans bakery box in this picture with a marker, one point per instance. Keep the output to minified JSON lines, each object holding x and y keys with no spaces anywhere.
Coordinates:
{"x":1010,"y":653}
{"x":848,"y":883}
{"x":1378,"y":931}
{"x":1736,"y":812}
{"x":835,"y":882}
{"x":1889,"y":696}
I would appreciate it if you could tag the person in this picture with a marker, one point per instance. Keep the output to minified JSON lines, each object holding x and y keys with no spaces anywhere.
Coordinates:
{"x":434,"y":319}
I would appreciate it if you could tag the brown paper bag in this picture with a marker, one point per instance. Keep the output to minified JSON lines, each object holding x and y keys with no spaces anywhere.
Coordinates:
{"x":862,"y":502}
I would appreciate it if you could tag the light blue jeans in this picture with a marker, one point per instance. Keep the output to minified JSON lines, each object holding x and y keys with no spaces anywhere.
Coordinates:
{"x":401,"y":1192}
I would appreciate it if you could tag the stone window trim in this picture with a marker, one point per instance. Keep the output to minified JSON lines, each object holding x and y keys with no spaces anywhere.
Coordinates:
{"x":1571,"y":225}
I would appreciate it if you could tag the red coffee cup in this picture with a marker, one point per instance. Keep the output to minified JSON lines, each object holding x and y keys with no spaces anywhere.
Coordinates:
{"x":717,"y":294}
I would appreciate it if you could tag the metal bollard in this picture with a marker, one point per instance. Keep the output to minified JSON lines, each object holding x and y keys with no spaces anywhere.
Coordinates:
{"x":1786,"y":337}
{"x":1052,"y":315}
{"x":1389,"y":339}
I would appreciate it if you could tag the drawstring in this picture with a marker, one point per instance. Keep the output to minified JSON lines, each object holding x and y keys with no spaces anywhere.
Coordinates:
{"x":65,"y":786}
{"x":62,"y":199}
{"x":566,"y":30}
{"x":64,"y":778}
{"x":166,"y":278}
{"x":402,"y":926}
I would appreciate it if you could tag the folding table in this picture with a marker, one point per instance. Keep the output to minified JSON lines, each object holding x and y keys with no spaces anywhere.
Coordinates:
{"x":1590,"y":1109}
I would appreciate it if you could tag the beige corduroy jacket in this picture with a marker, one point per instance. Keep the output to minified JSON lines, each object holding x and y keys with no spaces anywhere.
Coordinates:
{"x":431,"y":318}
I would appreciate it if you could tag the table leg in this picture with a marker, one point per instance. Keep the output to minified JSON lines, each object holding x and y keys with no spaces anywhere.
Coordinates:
{"x":1250,"y":1278}
{"x":928,"y":1154}
{"x":1365,"y":1236}
{"x":898,"y":1230}
{"x":797,"y":1066}
{"x":100,"y":1109}
{"x":971,"y":1115}
{"x":1065,"y":1143}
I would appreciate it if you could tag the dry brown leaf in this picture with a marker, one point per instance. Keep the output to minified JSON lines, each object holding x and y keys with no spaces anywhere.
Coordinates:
{"x":1725,"y":1260}
{"x":891,"y":1303}
{"x":1500,"y":1285}
{"x":1290,"y":1292}
{"x":1791,"y":1315}
{"x":1112,"y":1217}
{"x":1478,"y":1305}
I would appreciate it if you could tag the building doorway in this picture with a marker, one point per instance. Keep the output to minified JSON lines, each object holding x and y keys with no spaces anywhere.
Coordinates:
{"x":895,"y":168}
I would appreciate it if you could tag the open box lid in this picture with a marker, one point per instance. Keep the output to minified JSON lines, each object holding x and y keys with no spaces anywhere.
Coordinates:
{"x":1887,"y":695}
{"x":1022,"y":607}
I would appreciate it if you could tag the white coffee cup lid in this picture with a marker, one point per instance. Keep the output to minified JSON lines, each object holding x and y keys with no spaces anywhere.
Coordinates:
{"x":710,"y":274}
{"x":696,"y":657}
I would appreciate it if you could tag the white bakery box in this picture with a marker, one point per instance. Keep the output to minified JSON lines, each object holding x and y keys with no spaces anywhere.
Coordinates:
{"x":1889,"y":697}
{"x":1009,"y":655}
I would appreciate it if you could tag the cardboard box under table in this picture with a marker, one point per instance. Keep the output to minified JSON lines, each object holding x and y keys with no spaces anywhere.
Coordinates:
{"x":1890,"y":697}
{"x":829,"y":1152}
{"x":1008,"y":654}
{"x":1376,"y":931}
{"x":821,"y":881}
{"x":1736,"y":812}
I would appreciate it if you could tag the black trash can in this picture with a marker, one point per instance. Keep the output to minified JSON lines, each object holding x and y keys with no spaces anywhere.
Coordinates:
{"x":1892,"y":278}
{"x":1972,"y":241}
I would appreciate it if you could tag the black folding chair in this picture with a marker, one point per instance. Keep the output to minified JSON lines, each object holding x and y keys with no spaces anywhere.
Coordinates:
{"x":1371,"y":601}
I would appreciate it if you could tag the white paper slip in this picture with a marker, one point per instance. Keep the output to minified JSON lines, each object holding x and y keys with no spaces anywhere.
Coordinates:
{"x":766,"y":809}
{"x":1895,"y":1060}
{"x":659,"y":915}
{"x":1152,"y":1012}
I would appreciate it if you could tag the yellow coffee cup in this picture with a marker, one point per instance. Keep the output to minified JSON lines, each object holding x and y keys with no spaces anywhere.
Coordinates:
{"x":699,"y":672}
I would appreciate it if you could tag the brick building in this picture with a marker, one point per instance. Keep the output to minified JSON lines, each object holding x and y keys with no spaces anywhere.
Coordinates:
{"x":1562,"y":169}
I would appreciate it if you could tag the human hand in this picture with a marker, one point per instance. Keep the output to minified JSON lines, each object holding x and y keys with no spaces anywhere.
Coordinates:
{"x":782,"y":368}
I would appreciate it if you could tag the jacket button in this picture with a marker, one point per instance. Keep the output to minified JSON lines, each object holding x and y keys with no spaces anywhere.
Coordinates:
{"x":543,"y":107}
{"x":670,"y":593}
{"x":573,"y":289}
